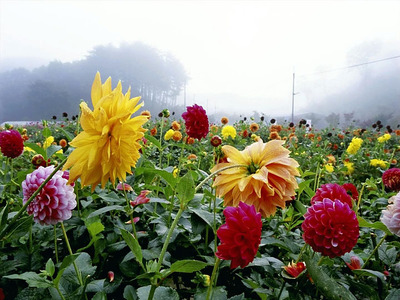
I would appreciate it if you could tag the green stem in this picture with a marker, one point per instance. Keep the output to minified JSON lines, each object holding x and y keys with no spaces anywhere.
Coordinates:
{"x":281,"y":289}
{"x":59,"y":292}
{"x":373,"y":252}
{"x":131,"y":213}
{"x":23,"y":208}
{"x":359,"y":199}
{"x":55,"y":244}
{"x":78,"y":274}
{"x":213,"y":278}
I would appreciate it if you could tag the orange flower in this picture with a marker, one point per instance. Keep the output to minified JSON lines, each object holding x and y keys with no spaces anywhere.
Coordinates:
{"x":276,"y":128}
{"x":63,"y":143}
{"x":189,"y":140}
{"x":340,"y":136}
{"x":274,"y":135}
{"x":245,"y":133}
{"x":224,"y":120}
{"x":214,"y":129}
{"x":331,"y":159}
{"x":177,"y":136}
{"x":266,"y":178}
{"x":153,"y":132}
{"x":146,"y":113}
{"x":192,"y":156}
{"x":175,"y":125}
{"x":254,"y":127}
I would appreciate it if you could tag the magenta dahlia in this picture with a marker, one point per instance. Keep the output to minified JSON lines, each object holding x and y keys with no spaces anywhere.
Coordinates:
{"x":11,"y":143}
{"x":54,"y":202}
{"x":240,"y":235}
{"x":391,"y":179}
{"x":330,"y":227}
{"x":391,"y":215}
{"x":332,"y":191}
{"x":196,"y":122}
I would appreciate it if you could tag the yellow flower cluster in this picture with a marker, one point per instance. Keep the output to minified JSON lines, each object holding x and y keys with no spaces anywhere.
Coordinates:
{"x":349,"y":166}
{"x":169,"y":134}
{"x":378,"y":163}
{"x":384,"y":138}
{"x":329,"y":168}
{"x":228,"y":131}
{"x":354,"y":145}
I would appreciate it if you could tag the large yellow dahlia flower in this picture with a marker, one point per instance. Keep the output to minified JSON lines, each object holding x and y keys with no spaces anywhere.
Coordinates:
{"x":108,"y":147}
{"x":266,"y":179}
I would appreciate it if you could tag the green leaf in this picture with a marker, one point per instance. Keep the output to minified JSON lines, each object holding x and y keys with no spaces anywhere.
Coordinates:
{"x":376,"y":225}
{"x":161,"y":292}
{"x":205,"y":215}
{"x":32,"y":279}
{"x":3,"y":216}
{"x":187,"y":266}
{"x":52,"y":149}
{"x":50,"y":269}
{"x":153,"y":140}
{"x":130,"y":293}
{"x":300,"y":207}
{"x":366,"y":272}
{"x":68,"y":135}
{"x":104,"y":210}
{"x":94,"y":228}
{"x":46,"y":132}
{"x":325,"y":284}
{"x":167,"y":176}
{"x":185,"y":189}
{"x":36,"y":148}
{"x":393,"y":295}
{"x":217,"y":293}
{"x":133,"y":244}
{"x":305,"y":186}
{"x":66,"y":262}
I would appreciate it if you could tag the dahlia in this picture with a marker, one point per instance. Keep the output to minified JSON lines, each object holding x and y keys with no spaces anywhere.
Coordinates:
{"x":378,"y":163}
{"x":355,"y":263}
{"x":332,"y":191}
{"x":330,"y":227}
{"x":295,"y":269}
{"x":391,"y":216}
{"x":177,"y":136}
{"x":215,"y":141}
{"x":196,"y":122}
{"x":349,"y":187}
{"x":329,"y":168}
{"x":228,"y":131}
{"x":384,"y":138}
{"x":354,"y":145}
{"x":224,"y":120}
{"x":11,"y":143}
{"x":169,"y":134}
{"x":254,"y":127}
{"x":240,"y":235}
{"x":266,"y":179}
{"x":108,"y":147}
{"x":54,"y":202}
{"x":391,"y":179}
{"x":175,"y":125}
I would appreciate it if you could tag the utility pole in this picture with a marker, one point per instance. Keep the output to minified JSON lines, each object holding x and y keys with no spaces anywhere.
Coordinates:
{"x":293,"y":93}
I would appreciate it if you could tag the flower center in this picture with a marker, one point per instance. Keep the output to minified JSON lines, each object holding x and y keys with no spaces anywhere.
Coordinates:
{"x":253,"y":168}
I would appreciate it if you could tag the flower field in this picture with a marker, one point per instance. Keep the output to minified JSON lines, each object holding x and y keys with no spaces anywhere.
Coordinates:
{"x":118,"y":204}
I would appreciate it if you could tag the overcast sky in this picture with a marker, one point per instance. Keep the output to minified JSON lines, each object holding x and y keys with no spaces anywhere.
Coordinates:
{"x":239,"y":54}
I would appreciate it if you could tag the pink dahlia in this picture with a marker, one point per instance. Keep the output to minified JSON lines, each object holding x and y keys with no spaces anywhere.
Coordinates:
{"x":349,"y":187}
{"x":330,"y":227}
{"x":196,"y":122}
{"x":391,"y":179}
{"x":332,"y":191}
{"x":391,"y":215}
{"x":54,"y":202}
{"x":240,"y":235}
{"x":11,"y":143}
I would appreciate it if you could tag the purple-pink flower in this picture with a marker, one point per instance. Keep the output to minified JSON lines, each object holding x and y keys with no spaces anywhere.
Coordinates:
{"x":54,"y":202}
{"x":334,"y":192}
{"x":391,"y":215}
{"x":11,"y":143}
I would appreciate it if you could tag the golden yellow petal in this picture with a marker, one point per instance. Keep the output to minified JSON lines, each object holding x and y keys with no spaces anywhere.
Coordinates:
{"x":96,"y":93}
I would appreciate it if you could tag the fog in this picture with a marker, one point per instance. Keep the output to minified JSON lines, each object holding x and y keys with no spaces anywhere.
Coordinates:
{"x":239,"y":57}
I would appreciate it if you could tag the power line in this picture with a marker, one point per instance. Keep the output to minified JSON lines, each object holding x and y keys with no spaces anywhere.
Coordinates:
{"x":352,"y":66}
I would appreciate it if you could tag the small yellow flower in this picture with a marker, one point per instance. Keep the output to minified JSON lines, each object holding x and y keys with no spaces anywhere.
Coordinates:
{"x":349,"y":166}
{"x":329,"y":168}
{"x":169,"y":134}
{"x":378,"y":163}
{"x":228,"y":131}
{"x":27,"y":149}
{"x":384,"y":138}
{"x":354,"y":145}
{"x":175,"y":172}
{"x":48,"y":142}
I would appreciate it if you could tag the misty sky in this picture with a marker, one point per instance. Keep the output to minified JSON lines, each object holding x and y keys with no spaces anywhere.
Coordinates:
{"x":240,"y":55}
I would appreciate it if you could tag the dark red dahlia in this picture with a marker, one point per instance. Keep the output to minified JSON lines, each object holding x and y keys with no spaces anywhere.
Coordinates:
{"x":216,"y":141}
{"x":11,"y":143}
{"x":196,"y":122}
{"x":349,"y":187}
{"x":240,"y":235}
{"x":330,"y":227}
{"x":391,"y":179}
{"x":332,"y":191}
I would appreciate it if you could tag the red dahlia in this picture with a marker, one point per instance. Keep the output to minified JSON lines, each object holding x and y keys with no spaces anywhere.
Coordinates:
{"x":391,"y":179}
{"x":240,"y":235}
{"x":196,"y":122}
{"x":332,"y":191}
{"x":330,"y":227}
{"x":11,"y":143}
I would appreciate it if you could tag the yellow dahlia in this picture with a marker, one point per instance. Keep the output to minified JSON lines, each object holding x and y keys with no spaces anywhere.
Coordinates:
{"x":354,"y":145}
{"x":378,"y":163}
{"x":266,"y":178}
{"x":108,"y":146}
{"x":228,"y":131}
{"x":384,"y":138}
